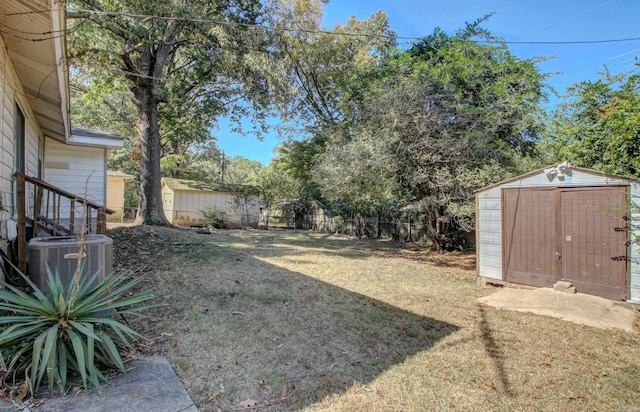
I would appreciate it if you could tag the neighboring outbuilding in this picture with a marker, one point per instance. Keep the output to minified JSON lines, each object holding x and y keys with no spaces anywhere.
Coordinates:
{"x":185,"y":202}
{"x":561,"y":223}
{"x":115,"y":194}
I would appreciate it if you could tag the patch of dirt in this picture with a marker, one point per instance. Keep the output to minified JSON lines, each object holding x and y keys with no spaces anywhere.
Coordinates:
{"x":144,"y":248}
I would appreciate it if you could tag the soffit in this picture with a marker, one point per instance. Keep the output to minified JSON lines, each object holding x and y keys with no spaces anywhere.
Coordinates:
{"x":33,"y":32}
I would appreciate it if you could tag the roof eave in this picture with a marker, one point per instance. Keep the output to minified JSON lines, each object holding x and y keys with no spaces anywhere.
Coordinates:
{"x":536,"y":171}
{"x":58,"y":23}
{"x":95,"y":138}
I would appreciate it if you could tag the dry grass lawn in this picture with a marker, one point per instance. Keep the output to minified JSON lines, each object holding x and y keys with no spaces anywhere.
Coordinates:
{"x":296,"y":320}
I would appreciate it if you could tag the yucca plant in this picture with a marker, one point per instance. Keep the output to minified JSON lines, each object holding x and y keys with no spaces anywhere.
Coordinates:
{"x":75,"y":330}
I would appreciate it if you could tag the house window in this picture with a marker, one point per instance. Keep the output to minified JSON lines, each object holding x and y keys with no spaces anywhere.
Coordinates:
{"x":19,"y":138}
{"x":19,"y":149}
{"x":40,"y":156}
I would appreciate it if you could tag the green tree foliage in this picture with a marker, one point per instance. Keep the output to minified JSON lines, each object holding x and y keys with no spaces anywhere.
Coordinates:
{"x":320,"y":66}
{"x":598,"y":126}
{"x":185,"y":64}
{"x":240,"y":170}
{"x":275,"y":182}
{"x":100,"y":99}
{"x":429,"y":122}
{"x":205,"y":164}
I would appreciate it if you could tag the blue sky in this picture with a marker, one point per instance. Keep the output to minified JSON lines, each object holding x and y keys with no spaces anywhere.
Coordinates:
{"x":515,"y":21}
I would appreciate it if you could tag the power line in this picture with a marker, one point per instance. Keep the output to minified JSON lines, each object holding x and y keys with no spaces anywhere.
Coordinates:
{"x":560,"y":42}
{"x":314,"y":31}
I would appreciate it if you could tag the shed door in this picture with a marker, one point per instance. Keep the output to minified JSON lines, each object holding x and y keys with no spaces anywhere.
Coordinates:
{"x":529,"y":236}
{"x":593,"y":251}
{"x":573,"y":234}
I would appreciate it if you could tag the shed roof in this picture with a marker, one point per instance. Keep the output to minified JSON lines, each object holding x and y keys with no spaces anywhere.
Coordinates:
{"x":286,"y":202}
{"x":195,"y":186}
{"x":543,"y":169}
{"x":115,"y":173}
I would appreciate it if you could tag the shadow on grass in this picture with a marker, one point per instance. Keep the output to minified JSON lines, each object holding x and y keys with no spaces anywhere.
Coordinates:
{"x":328,"y":244}
{"x":278,"y":339}
{"x":348,"y":247}
{"x":465,"y":261}
{"x":494,"y":352}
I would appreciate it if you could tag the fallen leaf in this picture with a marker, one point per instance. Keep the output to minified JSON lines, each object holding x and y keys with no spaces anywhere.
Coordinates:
{"x":282,"y":394}
{"x":249,"y":403}
{"x":489,"y":385}
{"x":22,"y":391}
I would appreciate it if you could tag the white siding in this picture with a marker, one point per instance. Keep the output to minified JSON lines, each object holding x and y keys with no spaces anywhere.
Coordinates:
{"x":188,"y":205}
{"x":489,"y":228}
{"x":167,"y":203}
{"x":185,"y":207}
{"x":489,"y":223}
{"x":33,"y":153}
{"x":7,"y":93}
{"x":10,"y":95}
{"x":76,"y":169}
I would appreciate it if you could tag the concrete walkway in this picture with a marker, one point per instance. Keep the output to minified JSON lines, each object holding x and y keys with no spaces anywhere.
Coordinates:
{"x":150,"y":385}
{"x":578,"y":308}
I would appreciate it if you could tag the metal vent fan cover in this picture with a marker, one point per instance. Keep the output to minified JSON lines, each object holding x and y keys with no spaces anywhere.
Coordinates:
{"x":60,"y":253}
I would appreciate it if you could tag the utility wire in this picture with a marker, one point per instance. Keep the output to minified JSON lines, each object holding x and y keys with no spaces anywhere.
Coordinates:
{"x":312,"y":31}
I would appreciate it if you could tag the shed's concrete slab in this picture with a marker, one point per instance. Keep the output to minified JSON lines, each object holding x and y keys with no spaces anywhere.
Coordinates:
{"x":150,"y":385}
{"x":578,"y":308}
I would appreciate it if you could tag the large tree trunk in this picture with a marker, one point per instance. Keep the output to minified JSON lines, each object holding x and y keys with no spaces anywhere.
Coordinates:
{"x":151,"y":208}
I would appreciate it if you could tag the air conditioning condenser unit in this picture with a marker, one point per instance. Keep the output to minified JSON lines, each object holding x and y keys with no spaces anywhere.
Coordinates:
{"x":60,"y":253}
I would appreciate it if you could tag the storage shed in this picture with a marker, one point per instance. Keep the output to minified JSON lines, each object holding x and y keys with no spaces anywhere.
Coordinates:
{"x":561,"y":223}
{"x":185,"y":200}
{"x":115,"y":194}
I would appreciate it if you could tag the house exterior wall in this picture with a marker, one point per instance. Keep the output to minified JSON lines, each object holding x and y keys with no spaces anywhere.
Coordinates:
{"x":11,"y":94}
{"x":489,"y":221}
{"x":184,"y":207}
{"x":77,"y":169}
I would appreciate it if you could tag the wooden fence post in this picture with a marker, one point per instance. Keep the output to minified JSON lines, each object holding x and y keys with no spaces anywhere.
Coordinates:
{"x":72,"y":217}
{"x":101,"y":224}
{"x":37,"y":208}
{"x":22,"y":224}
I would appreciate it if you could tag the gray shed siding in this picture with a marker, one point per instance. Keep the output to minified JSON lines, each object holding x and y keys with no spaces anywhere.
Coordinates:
{"x":634,"y":281}
{"x":489,"y":220}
